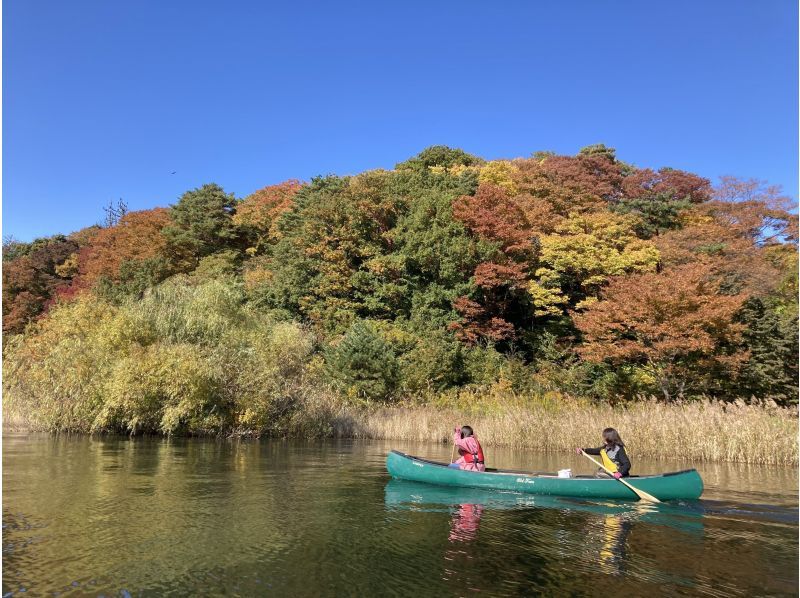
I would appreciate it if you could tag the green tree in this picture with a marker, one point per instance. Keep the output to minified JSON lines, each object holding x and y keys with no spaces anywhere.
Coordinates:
{"x":331,"y":262}
{"x":437,"y":256}
{"x":363,"y":364}
{"x":134,"y":278}
{"x":433,"y":363}
{"x":771,"y":339}
{"x":601,"y":150}
{"x":440,"y":155}
{"x":201,"y":225}
{"x":654,"y":215}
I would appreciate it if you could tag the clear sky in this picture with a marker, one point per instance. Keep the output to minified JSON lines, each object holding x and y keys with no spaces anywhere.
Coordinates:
{"x":104,"y":100}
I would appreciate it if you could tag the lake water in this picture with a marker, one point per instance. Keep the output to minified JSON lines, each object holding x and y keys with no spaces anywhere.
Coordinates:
{"x":150,"y":517}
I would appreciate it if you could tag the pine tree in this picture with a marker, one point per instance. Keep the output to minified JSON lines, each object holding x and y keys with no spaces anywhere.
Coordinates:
{"x":363,"y":364}
{"x":772,"y":341}
{"x":202,"y":224}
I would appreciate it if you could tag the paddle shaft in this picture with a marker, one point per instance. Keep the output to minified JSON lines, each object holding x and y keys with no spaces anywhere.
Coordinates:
{"x":640,"y":493}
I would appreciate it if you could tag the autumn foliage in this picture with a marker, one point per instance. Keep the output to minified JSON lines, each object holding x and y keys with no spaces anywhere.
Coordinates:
{"x":32,"y":279}
{"x":676,"y":324}
{"x":676,"y":184}
{"x":259,"y":213}
{"x":581,"y":275}
{"x":136,"y":237}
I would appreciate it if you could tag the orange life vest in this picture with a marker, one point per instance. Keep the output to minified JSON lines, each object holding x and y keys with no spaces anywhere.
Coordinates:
{"x":476,"y":458}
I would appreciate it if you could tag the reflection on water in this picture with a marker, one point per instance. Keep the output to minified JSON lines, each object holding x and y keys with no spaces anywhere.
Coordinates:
{"x":117,"y":516}
{"x":464,"y":524}
{"x":615,"y":532}
{"x":605,"y":532}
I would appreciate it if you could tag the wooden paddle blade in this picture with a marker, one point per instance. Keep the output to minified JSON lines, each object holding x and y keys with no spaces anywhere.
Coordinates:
{"x":640,"y":493}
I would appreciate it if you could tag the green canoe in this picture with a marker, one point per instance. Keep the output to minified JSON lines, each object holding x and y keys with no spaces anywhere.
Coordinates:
{"x":667,"y":486}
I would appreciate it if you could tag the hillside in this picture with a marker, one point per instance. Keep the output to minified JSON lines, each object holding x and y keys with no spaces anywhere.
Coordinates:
{"x":568,"y":277}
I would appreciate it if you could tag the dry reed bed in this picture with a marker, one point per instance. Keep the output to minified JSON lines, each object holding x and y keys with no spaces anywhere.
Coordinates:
{"x":707,"y":431}
{"x":703,"y":430}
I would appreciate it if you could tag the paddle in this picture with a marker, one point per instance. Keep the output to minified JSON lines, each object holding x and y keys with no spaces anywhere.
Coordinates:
{"x":640,"y":493}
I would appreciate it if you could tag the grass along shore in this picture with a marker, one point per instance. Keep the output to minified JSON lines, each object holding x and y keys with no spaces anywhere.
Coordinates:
{"x":701,"y":431}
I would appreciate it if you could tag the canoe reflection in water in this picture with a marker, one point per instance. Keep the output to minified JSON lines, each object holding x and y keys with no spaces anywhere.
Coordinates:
{"x":416,"y":496}
{"x":594,"y":535}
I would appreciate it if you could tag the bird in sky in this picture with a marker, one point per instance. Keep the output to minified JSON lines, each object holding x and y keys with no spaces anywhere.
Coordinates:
{"x":173,"y":172}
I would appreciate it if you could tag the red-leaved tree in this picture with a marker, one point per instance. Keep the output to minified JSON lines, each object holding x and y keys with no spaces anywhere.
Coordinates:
{"x":136,"y":237}
{"x":675,"y":324}
{"x":259,"y":212}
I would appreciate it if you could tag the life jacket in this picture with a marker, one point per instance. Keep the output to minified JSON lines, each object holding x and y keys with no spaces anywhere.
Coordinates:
{"x":476,"y":457}
{"x":609,"y":461}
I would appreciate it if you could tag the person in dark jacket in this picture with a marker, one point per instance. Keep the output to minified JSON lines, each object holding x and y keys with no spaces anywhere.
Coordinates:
{"x":612,"y":453}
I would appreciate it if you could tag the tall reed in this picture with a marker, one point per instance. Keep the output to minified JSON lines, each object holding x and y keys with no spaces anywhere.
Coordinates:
{"x":703,"y":430}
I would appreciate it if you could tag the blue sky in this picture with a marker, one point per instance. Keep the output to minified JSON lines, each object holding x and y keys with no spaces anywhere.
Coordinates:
{"x":104,"y":100}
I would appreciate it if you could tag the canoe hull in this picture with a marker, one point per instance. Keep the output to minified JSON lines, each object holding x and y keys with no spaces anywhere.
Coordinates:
{"x":670,"y":486}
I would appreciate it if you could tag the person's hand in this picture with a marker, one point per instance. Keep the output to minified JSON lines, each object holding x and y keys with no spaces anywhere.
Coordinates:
{"x":579,"y":450}
{"x":617,"y":475}
{"x":456,"y":430}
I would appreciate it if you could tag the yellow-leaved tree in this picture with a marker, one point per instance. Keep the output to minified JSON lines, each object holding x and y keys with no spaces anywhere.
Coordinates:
{"x":581,"y":255}
{"x":501,"y":174}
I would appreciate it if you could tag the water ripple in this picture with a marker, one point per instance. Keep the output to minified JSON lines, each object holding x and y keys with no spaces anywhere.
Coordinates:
{"x":117,"y":517}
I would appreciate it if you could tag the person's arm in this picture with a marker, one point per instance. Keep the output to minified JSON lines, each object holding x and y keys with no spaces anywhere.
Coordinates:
{"x":461,"y":443}
{"x":624,"y":462}
{"x":458,"y":441}
{"x":592,"y":451}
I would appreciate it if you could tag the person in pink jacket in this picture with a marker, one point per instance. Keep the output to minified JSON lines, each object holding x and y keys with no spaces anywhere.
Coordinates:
{"x":469,"y":449}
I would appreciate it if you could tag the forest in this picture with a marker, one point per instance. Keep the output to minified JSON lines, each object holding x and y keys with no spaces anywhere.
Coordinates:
{"x":448,"y":279}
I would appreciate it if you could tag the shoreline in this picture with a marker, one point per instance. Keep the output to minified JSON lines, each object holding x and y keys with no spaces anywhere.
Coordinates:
{"x":705,"y":431}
